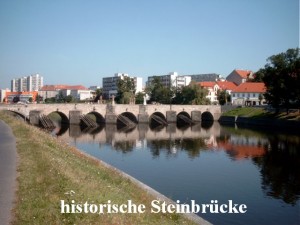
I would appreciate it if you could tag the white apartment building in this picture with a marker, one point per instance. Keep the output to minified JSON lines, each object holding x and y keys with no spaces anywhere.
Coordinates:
{"x":171,"y":80}
{"x":82,"y":94}
{"x":110,"y":84}
{"x":3,"y":94}
{"x":29,"y":83}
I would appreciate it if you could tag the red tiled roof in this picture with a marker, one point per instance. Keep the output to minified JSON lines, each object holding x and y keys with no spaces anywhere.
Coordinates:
{"x":207,"y":84}
{"x":226,"y":85}
{"x":250,"y":87}
{"x":243,"y":73}
{"x":61,"y":86}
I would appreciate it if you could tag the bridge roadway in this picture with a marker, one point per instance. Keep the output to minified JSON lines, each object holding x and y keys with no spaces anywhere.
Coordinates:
{"x":109,"y":113}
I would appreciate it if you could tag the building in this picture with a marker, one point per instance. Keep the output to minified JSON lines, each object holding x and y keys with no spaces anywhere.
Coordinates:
{"x":94,"y":88}
{"x":27,"y":84}
{"x":82,"y":94}
{"x":171,"y":80}
{"x":110,"y":84}
{"x":3,"y":93}
{"x":49,"y":91}
{"x":239,"y":76}
{"x":227,"y":86}
{"x":205,"y":77}
{"x":248,"y":93}
{"x":25,"y":96}
{"x":78,"y":92}
{"x":212,"y":88}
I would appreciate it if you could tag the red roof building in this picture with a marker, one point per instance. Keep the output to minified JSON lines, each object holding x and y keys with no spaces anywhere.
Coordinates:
{"x":212,"y":88}
{"x":251,"y":87}
{"x":239,"y":76}
{"x":51,"y":91}
{"x":226,"y":85}
{"x":62,"y":87}
{"x":249,"y":93}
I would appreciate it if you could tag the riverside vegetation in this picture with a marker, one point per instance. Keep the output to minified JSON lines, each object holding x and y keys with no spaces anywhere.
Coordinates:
{"x":50,"y":170}
{"x":262,"y":113}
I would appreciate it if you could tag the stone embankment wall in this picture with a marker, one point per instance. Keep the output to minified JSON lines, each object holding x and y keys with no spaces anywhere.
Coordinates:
{"x":258,"y":121}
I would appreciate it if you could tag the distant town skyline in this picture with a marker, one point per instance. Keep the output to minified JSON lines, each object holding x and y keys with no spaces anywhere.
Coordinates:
{"x":80,"y":42}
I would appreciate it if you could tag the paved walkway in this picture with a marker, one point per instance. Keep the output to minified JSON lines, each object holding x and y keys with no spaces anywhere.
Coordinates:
{"x":8,"y":167}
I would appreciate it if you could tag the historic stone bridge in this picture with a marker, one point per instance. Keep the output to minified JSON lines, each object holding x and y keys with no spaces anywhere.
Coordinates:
{"x":114,"y":113}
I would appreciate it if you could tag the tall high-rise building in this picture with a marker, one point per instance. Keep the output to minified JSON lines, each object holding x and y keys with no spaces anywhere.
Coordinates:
{"x":29,"y":83}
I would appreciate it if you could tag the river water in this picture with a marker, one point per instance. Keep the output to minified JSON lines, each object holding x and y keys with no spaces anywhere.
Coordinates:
{"x":259,"y":167}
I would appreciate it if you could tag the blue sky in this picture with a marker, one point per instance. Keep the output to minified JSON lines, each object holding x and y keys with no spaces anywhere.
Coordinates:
{"x":79,"y":42}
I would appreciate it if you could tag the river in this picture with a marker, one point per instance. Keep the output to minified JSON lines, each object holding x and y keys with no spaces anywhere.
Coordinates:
{"x":258,"y":167}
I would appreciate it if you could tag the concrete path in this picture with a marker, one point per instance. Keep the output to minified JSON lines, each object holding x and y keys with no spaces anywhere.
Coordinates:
{"x":8,"y":173}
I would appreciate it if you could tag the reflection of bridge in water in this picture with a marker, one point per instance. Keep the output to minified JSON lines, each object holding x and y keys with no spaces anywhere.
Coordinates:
{"x":110,"y":134}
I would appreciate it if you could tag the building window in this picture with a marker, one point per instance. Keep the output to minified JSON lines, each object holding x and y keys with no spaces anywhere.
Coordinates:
{"x":253,"y":94}
{"x":243,"y":95}
{"x":233,"y":95}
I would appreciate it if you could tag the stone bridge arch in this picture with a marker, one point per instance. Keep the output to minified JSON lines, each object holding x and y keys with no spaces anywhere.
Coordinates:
{"x":64,"y":118}
{"x":24,"y":117}
{"x":157,"y":119}
{"x":96,"y":116}
{"x":207,"y":116}
{"x":184,"y":118}
{"x":126,"y":119}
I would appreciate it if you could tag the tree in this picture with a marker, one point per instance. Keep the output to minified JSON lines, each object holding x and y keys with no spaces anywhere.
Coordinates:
{"x":50,"y":100}
{"x":223,"y":97}
{"x":281,"y":76}
{"x":260,"y":98}
{"x":126,"y":90}
{"x":30,"y":99}
{"x":153,"y":89}
{"x":191,"y":94}
{"x":16,"y":99}
{"x":98,"y":94}
{"x":258,"y":76}
{"x":39,"y":98}
{"x":69,"y":98}
{"x":139,"y":98}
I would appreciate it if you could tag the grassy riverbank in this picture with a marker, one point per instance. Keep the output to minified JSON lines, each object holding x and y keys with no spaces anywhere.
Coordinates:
{"x":50,"y":171}
{"x":256,"y":112}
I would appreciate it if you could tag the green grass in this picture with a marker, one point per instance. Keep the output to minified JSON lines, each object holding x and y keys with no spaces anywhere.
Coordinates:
{"x":245,"y":111}
{"x":253,"y":112}
{"x":49,"y":170}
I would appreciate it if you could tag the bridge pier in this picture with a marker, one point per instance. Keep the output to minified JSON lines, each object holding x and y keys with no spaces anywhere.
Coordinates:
{"x":217,"y":115}
{"x":196,"y":116}
{"x":34,"y":117}
{"x":171,"y":116}
{"x":74,"y":116}
{"x":110,"y":116}
{"x":143,"y":116}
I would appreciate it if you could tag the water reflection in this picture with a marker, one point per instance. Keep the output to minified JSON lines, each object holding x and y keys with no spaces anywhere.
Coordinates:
{"x":276,"y":154}
{"x":274,"y":157}
{"x":280,"y":169}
